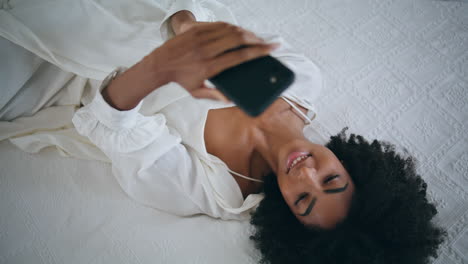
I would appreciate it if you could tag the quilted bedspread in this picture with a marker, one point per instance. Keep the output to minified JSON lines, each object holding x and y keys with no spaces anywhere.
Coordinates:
{"x":395,"y":70}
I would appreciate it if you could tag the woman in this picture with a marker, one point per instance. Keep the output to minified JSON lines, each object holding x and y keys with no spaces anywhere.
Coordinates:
{"x":349,"y":202}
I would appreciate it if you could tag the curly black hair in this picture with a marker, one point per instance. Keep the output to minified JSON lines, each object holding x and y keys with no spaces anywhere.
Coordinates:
{"x":389,"y":220}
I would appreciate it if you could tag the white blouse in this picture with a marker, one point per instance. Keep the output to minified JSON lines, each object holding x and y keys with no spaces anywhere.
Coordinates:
{"x":157,"y":149}
{"x":161,"y":161}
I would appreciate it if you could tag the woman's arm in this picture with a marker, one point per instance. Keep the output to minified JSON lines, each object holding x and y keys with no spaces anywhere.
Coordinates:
{"x":188,"y":59}
{"x":178,"y":22}
{"x":147,"y":158}
{"x":129,"y":88}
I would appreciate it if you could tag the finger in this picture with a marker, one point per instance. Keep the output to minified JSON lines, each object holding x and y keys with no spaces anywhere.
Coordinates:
{"x":230,"y":40}
{"x":236,"y":57}
{"x":213,"y":35}
{"x":220,"y":96}
{"x":209,"y":93}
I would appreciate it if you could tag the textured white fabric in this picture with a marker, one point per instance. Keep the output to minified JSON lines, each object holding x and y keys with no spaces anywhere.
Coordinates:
{"x":152,"y":165}
{"x":394,"y":70}
{"x":129,"y":30}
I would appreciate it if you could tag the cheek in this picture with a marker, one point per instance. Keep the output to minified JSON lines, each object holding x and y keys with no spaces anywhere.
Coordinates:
{"x":283,"y":183}
{"x":286,"y":188}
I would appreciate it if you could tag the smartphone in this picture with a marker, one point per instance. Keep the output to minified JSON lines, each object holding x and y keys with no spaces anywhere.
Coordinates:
{"x":254,"y":85}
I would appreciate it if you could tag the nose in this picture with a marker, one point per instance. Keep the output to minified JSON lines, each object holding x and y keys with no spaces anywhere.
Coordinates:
{"x":309,"y":174}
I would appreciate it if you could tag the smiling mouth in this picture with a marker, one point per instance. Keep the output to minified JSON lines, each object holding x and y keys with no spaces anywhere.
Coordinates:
{"x":296,"y":158}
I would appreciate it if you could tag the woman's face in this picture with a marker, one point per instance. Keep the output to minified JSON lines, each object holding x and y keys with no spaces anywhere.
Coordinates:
{"x":314,"y":184}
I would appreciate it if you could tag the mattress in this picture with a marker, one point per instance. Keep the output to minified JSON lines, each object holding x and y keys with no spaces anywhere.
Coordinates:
{"x":394,"y":70}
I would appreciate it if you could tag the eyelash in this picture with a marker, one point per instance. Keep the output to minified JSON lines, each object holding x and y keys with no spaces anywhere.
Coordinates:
{"x":302,"y":197}
{"x":327,"y":180}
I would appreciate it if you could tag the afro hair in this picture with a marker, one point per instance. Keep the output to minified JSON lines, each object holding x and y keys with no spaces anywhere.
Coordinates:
{"x":389,"y":220}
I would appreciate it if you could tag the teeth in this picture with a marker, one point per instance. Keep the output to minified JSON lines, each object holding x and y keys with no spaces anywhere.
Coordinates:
{"x":298,"y":159}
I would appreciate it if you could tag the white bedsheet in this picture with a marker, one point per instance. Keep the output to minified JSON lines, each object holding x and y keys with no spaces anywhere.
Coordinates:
{"x":394,"y":70}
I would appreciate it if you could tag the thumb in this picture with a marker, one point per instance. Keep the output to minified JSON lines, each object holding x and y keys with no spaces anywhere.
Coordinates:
{"x":209,"y":93}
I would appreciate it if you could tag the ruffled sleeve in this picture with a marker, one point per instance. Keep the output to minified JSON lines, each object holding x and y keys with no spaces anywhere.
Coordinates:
{"x":148,"y":159}
{"x":119,"y":131}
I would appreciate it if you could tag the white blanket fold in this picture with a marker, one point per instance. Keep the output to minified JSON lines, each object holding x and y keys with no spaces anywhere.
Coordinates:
{"x":84,"y":41}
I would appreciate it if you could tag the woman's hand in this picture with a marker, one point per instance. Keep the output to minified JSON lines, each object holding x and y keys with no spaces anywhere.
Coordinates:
{"x":200,"y":53}
{"x":189,"y":59}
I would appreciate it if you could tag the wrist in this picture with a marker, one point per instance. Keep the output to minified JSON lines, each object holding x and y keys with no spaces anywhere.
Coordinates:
{"x":152,"y":72}
{"x":126,"y":90}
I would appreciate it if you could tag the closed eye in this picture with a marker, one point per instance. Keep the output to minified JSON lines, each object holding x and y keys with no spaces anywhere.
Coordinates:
{"x":301,"y":197}
{"x":330,"y":178}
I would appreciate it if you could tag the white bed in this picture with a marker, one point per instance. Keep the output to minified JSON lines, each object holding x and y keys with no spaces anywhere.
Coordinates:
{"x":394,"y":70}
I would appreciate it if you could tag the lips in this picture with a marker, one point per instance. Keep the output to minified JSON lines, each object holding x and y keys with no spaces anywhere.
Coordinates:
{"x":293,"y":156}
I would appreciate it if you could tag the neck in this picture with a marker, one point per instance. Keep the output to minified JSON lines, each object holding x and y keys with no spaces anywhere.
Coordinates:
{"x":274,"y":130}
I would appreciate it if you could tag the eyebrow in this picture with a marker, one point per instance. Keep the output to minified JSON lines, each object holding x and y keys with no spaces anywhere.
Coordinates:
{"x":314,"y":200}
{"x":309,"y":208}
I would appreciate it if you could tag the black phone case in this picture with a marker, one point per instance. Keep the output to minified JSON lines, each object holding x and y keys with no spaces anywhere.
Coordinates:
{"x":254,"y":85}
